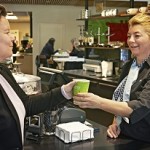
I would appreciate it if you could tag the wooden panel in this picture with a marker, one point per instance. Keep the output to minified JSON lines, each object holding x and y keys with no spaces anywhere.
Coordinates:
{"x":116,"y":4}
{"x":108,"y":3}
{"x":98,"y":115}
{"x":27,"y":64}
{"x":49,"y":2}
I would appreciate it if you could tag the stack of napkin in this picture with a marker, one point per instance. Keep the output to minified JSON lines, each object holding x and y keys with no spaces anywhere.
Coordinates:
{"x":73,"y":132}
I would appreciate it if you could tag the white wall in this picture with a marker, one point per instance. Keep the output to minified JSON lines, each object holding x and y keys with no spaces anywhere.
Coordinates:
{"x":50,"y":14}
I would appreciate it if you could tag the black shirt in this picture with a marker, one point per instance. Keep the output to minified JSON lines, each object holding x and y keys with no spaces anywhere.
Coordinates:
{"x":139,"y":125}
{"x":8,"y":127}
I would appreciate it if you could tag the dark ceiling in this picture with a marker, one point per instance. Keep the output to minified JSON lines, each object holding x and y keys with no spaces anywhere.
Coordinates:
{"x":48,"y":2}
{"x":108,"y":3}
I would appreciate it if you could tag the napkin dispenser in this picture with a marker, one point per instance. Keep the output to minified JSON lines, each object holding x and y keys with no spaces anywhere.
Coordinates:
{"x":71,"y":114}
{"x":73,"y":132}
{"x":92,"y":67}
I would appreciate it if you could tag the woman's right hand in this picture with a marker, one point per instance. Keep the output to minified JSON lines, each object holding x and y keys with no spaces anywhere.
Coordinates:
{"x":113,"y":131}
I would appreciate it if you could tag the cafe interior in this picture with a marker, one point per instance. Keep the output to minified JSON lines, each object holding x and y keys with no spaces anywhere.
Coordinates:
{"x":100,"y":28}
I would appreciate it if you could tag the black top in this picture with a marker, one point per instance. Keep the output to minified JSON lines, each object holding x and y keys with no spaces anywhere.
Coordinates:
{"x":139,"y":126}
{"x":76,"y":52}
{"x":10,"y":130}
{"x":48,"y":50}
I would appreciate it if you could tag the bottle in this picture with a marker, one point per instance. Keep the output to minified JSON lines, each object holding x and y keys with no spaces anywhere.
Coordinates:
{"x":86,"y":35}
{"x":81,"y":40}
{"x":86,"y":14}
{"x":81,"y":37}
{"x":91,"y":39}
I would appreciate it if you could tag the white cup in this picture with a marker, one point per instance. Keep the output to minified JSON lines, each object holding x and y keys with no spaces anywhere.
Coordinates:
{"x":103,"y":13}
{"x":114,"y":12}
{"x":142,"y":9}
{"x":132,"y":11}
{"x":107,"y":68}
{"x":110,"y":12}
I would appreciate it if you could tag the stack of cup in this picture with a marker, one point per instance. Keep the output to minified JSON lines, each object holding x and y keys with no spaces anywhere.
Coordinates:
{"x":143,"y":9}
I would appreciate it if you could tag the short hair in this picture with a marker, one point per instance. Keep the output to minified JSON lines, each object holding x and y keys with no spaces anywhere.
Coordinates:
{"x":2,"y":11}
{"x":75,"y":42}
{"x":142,"y":19}
{"x":72,"y":40}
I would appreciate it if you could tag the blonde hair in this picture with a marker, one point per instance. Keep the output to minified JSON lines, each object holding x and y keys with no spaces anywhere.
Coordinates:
{"x":141,"y":19}
{"x":75,"y":42}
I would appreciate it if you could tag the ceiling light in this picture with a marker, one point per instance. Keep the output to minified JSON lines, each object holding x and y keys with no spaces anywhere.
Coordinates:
{"x":11,"y":17}
{"x":9,"y":13}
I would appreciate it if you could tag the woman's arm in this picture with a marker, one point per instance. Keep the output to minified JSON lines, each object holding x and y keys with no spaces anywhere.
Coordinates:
{"x":90,"y":100}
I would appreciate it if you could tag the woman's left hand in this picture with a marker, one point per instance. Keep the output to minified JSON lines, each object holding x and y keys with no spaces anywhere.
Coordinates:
{"x":113,"y":131}
{"x":87,"y":100}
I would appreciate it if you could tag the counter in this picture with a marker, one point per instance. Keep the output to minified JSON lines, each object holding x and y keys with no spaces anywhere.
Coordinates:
{"x":30,"y":84}
{"x":98,"y":85}
{"x":26,"y":61}
{"x":80,"y":73}
{"x":100,"y":141}
{"x":71,"y":62}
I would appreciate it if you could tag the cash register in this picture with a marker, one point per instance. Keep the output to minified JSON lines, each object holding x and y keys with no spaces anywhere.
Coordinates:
{"x":92,"y":67}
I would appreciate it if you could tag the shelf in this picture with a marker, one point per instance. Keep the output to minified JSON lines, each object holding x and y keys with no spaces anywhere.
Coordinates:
{"x":81,"y":19}
{"x":108,"y":48}
{"x":101,"y":17}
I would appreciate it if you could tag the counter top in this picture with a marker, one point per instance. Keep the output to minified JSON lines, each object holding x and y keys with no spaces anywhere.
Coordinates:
{"x":21,"y":54}
{"x":69,"y":59}
{"x":80,"y":73}
{"x":100,"y":141}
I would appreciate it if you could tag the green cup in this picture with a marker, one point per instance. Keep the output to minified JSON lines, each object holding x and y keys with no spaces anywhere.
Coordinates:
{"x":81,"y":86}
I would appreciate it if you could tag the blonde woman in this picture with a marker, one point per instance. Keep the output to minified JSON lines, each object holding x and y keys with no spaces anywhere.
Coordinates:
{"x":75,"y":50}
{"x":131,"y":99}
